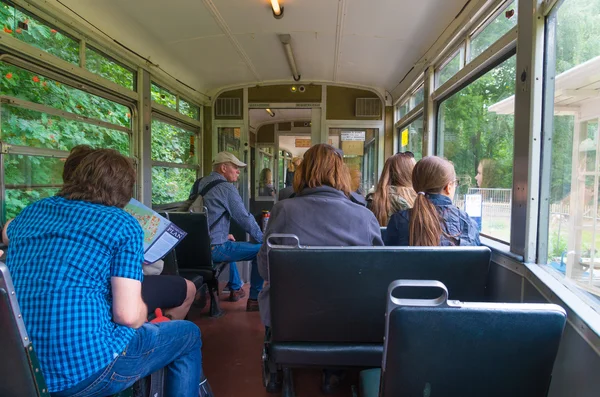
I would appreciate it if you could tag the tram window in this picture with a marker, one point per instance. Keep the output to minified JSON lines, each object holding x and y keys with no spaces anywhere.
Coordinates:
{"x":188,"y":109}
{"x":39,"y":34}
{"x":505,"y":21}
{"x":28,"y":179}
{"x":175,"y":146}
{"x":163,"y":97}
{"x":417,"y":97}
{"x":449,"y":69}
{"x":480,"y":144}
{"x":574,"y":218}
{"x":411,"y":138}
{"x":403,"y":109}
{"x":102,"y":65}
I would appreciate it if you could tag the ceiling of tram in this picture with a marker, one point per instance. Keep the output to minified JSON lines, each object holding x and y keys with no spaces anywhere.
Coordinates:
{"x":211,"y":44}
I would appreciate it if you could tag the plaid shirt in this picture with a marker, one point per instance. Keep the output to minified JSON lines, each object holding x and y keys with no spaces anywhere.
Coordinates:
{"x":224,"y":198}
{"x":62,"y":255}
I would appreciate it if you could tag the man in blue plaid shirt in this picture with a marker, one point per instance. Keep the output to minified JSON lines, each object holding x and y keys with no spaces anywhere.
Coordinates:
{"x":76,"y":263}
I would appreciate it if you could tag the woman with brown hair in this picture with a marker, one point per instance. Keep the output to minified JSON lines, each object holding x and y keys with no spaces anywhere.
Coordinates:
{"x":433,"y":219}
{"x":320,"y":214}
{"x":394,"y":191}
{"x":291,"y":170}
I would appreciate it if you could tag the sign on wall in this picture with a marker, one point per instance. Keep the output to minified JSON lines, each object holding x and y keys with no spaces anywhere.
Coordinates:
{"x":300,"y":142}
{"x":353,"y":136}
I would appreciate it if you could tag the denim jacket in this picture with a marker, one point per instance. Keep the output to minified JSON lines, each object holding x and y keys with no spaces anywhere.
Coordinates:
{"x":456,"y":223}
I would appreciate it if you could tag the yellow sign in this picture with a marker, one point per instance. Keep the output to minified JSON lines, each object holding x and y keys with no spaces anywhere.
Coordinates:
{"x":405,"y":137}
{"x":237,"y":133}
{"x":302,"y":142}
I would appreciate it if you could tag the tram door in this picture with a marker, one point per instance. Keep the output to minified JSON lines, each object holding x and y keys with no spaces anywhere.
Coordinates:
{"x":360,"y":154}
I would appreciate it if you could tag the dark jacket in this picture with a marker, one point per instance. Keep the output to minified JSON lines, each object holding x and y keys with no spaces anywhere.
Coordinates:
{"x":321,"y":216}
{"x":289,"y":177}
{"x":456,"y":223}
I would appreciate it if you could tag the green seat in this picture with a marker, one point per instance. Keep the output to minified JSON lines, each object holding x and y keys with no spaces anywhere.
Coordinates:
{"x":369,"y":382}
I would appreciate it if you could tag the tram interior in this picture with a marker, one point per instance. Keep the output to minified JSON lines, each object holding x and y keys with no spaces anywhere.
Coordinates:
{"x":507,"y":90}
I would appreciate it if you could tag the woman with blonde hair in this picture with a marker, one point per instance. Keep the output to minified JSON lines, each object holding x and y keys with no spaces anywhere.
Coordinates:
{"x":289,"y":175}
{"x":394,"y":191}
{"x":433,"y":220}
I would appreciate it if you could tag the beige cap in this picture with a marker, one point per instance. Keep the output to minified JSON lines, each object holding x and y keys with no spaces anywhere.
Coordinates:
{"x":226,"y":157}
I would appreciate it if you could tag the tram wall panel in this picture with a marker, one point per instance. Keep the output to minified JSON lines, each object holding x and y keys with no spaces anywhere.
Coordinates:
{"x":503,"y":285}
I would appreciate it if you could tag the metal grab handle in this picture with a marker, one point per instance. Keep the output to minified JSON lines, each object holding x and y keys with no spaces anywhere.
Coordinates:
{"x":282,"y":235}
{"x":396,"y":302}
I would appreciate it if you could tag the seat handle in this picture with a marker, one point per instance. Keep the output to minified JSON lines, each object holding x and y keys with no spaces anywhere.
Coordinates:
{"x":394,"y":302}
{"x":282,"y":235}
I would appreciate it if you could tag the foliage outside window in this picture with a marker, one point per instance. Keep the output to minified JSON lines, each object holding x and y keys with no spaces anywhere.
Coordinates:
{"x":102,"y":65}
{"x":188,"y":109}
{"x":480,"y":144}
{"x":403,"y":109}
{"x":504,"y":22}
{"x":39,"y":34}
{"x":175,"y":145}
{"x":411,"y":138}
{"x":574,"y":218}
{"x":162,"y":96}
{"x":446,"y":72}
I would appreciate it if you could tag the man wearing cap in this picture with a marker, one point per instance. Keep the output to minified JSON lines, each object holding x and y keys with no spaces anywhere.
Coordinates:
{"x":224,"y":203}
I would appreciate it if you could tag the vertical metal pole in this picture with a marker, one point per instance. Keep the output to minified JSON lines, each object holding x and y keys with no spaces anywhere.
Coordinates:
{"x":429,"y":113}
{"x":144,"y":133}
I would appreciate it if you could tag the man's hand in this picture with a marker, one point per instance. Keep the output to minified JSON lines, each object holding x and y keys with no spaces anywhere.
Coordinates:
{"x":230,"y":237}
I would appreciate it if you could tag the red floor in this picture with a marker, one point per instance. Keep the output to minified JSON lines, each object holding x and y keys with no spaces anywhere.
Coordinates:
{"x":231,"y":351}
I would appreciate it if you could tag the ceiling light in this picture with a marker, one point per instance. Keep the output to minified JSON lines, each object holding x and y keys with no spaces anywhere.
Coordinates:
{"x":293,"y":88}
{"x":287,"y":46}
{"x":277,"y":10}
{"x":271,"y":113}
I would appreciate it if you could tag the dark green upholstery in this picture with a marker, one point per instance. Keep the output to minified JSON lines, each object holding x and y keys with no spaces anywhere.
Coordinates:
{"x":369,"y":382}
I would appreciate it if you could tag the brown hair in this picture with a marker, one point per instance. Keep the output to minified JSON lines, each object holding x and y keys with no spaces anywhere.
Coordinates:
{"x":103,"y":176}
{"x":397,"y":172}
{"x":355,"y":176}
{"x":75,"y":156}
{"x":322,"y":166}
{"x":430,"y":175}
{"x":292,"y":165}
{"x":487,"y":173}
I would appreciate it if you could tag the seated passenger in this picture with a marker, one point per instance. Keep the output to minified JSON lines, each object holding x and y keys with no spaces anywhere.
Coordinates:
{"x":76,"y":264}
{"x":394,"y":192}
{"x":433,"y":220}
{"x":175,"y":294}
{"x":265,"y":183}
{"x":289,"y":174}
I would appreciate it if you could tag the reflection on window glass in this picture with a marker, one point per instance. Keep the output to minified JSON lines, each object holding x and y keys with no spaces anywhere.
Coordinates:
{"x":478,"y":138}
{"x":22,"y":84}
{"x":163,"y":97}
{"x":100,"y":64}
{"x":449,"y":70}
{"x":189,"y":109}
{"x":417,"y":98}
{"x":495,"y":30}
{"x":28,"y":179}
{"x":26,"y":127}
{"x":39,"y":34}
{"x":411,"y":138}
{"x":173,"y":144}
{"x":404,"y":109}
{"x":171,"y":185}
{"x":574,"y":219}
{"x":265,"y":163}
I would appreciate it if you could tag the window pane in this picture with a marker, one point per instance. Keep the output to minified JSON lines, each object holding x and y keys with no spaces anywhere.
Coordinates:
{"x":495,"y":30}
{"x":97,"y":63}
{"x":480,"y":144}
{"x":28,"y":179}
{"x":411,"y":138}
{"x":449,"y":70}
{"x":26,"y":127}
{"x":418,"y":97}
{"x":173,"y":144}
{"x":171,"y":185}
{"x":189,"y":109}
{"x":37,"y":33}
{"x":163,"y":97}
{"x":22,"y":84}
{"x":574,"y":227}
{"x":404,"y":108}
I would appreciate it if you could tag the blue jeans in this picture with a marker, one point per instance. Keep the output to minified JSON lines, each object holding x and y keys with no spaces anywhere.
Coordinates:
{"x":172,"y":344}
{"x":231,"y":252}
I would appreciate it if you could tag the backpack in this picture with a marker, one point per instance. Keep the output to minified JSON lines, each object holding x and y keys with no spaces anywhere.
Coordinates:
{"x":195,"y":202}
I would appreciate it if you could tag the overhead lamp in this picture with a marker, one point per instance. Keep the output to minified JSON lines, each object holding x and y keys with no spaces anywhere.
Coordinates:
{"x":287,"y":46}
{"x":271,"y":113}
{"x":277,"y":9}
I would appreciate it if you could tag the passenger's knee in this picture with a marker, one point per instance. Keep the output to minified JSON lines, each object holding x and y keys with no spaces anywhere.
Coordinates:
{"x":190,"y":293}
{"x":192,"y":331}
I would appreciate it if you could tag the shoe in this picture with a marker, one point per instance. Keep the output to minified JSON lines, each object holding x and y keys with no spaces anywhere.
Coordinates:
{"x":252,"y":305}
{"x":205,"y":390}
{"x":236,"y":295}
{"x":331,"y":380}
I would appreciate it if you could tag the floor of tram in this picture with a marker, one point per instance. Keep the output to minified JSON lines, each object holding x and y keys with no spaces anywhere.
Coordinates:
{"x":231,"y":352}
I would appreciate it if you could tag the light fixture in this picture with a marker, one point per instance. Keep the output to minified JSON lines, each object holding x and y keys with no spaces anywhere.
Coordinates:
{"x":293,"y":88}
{"x":271,"y":113}
{"x":287,"y":46}
{"x":277,"y":10}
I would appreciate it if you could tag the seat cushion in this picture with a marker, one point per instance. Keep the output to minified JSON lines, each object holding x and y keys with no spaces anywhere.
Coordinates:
{"x":327,"y":354}
{"x":369,"y":382}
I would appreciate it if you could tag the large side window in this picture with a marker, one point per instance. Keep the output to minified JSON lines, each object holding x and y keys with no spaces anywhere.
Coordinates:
{"x":480,"y":144}
{"x":174,"y":160}
{"x":574,"y":182}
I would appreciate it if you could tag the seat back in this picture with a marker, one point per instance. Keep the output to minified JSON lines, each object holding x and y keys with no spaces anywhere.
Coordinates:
{"x":450,"y":348}
{"x":334,"y":294}
{"x":383,"y":231}
{"x":20,"y":373}
{"x":193,"y":252}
